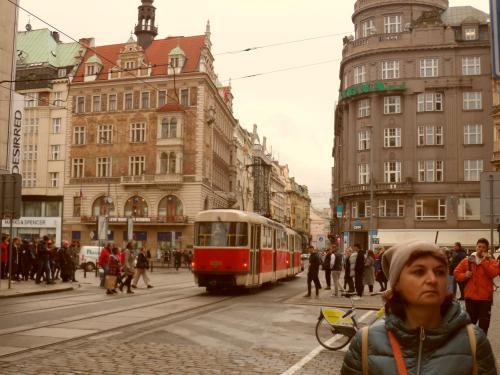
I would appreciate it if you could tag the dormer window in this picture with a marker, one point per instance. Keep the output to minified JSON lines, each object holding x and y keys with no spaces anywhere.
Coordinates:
{"x":176,"y":60}
{"x":90,"y":70}
{"x":470,"y":33}
{"x":129,"y":65}
{"x":93,"y":67}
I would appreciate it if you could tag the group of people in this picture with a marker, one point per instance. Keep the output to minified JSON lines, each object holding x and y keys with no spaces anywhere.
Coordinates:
{"x":178,"y":256}
{"x":38,"y":260}
{"x":122,"y":269}
{"x":426,"y":330}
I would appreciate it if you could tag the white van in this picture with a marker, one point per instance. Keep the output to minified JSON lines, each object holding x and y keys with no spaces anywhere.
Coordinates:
{"x":89,"y":256}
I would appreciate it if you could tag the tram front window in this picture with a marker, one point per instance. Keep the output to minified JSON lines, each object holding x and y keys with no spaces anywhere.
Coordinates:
{"x":221,"y":234}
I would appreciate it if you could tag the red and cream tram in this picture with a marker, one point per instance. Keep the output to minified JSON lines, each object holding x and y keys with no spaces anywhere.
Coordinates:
{"x":243,"y":249}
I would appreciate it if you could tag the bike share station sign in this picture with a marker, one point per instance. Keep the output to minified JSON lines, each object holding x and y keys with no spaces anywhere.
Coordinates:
{"x":490,"y":201}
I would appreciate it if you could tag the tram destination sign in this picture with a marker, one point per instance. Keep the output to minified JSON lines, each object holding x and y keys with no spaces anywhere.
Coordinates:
{"x":366,"y":88}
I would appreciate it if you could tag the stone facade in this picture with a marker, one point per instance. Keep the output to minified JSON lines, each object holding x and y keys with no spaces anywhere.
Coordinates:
{"x":412,"y":126}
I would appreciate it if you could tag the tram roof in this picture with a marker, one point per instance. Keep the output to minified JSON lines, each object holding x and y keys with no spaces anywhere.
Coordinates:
{"x":235,"y":215}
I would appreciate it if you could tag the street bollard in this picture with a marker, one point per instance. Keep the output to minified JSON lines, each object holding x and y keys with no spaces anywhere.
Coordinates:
{"x":96,"y":270}
{"x":85,"y":271}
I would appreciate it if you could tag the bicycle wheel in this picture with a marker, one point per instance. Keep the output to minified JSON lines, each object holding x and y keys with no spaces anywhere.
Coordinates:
{"x":331,"y":337}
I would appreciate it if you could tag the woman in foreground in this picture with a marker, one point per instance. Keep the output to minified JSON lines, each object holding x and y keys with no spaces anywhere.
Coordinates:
{"x":424,"y":331}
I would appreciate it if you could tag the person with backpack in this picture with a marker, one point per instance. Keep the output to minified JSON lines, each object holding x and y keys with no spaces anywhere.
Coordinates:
{"x":313,"y":271}
{"x":425,"y":330}
{"x":141,"y":269}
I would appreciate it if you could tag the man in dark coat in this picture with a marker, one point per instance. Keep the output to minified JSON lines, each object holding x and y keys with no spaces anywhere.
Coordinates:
{"x":43,"y":261}
{"x":359,"y":270}
{"x":327,"y":267}
{"x":313,"y":271}
{"x":459,"y":254}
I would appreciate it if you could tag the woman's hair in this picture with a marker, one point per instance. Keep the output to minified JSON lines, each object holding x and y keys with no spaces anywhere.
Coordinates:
{"x":394,"y":302}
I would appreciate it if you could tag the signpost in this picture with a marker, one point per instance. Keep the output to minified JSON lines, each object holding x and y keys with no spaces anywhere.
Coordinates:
{"x":490,"y":202}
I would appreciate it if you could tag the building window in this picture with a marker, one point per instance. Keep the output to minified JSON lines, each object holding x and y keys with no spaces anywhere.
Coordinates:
{"x":58,"y":100}
{"x":112,"y":102}
{"x":103,"y":167}
{"x":472,"y":100}
{"x":129,"y":65}
{"x":77,"y":206}
{"x":129,"y":101}
{"x":473,"y":134}
{"x":364,"y":140}
{"x":96,"y":103}
{"x":430,"y":209}
{"x":79,"y":135}
{"x":169,"y":128}
{"x":472,"y":170}
{"x":392,"y":137}
{"x":55,"y":152}
{"x":80,"y":104}
{"x":345,"y":83}
{"x":136,"y":165}
{"x":77,"y":167}
{"x":138,"y":133}
{"x":102,"y":207}
{"x":104,"y":134}
{"x":30,"y":152}
{"x":470,"y":33}
{"x":392,"y":104}
{"x":162,"y":98}
{"x":390,"y":69}
{"x":363,"y":108}
{"x":136,"y":206}
{"x":429,"y":68}
{"x":170,"y":206}
{"x":29,"y":179}
{"x":469,"y":209}
{"x":54,"y":179}
{"x":368,"y":27}
{"x":391,"y":208}
{"x":429,"y":102}
{"x":430,"y":135}
{"x":56,"y":125}
{"x":392,"y":171}
{"x":31,"y":99}
{"x":184,"y":95}
{"x":430,"y":171}
{"x":145,"y":100}
{"x":61,"y":73}
{"x":392,"y":24}
{"x":30,"y":125}
{"x":168,"y":163}
{"x":359,"y":74}
{"x":471,"y":66}
{"x":363,"y":174}
{"x":90,"y":70}
{"x":361,"y":209}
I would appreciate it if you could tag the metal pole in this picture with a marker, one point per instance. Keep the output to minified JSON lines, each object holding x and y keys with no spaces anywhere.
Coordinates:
{"x":372,"y":208}
{"x":492,"y":247}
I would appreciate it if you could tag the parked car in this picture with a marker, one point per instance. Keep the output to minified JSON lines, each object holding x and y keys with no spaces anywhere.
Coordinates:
{"x":88,"y":257}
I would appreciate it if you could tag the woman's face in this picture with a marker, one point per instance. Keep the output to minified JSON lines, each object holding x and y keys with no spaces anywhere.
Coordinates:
{"x":424,"y":282}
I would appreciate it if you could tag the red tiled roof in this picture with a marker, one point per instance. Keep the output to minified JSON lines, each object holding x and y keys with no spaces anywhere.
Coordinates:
{"x":171,"y":107}
{"x":156,"y":55}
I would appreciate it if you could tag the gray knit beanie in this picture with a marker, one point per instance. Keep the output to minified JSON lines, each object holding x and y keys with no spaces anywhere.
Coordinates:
{"x":394,"y":259}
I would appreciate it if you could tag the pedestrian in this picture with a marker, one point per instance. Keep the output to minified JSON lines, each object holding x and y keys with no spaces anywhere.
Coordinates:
{"x":477,"y":272}
{"x":66,"y":263}
{"x":43,"y":260}
{"x":104,"y":262}
{"x":112,"y":272}
{"x":327,"y":267}
{"x":424,"y":330}
{"x":177,"y":259}
{"x":379,"y":274}
{"x":25,"y":260}
{"x":348,"y":277}
{"x":313,"y":271}
{"x":369,"y":270}
{"x":16,"y":259}
{"x":359,"y":270}
{"x":128,"y":267}
{"x":4,"y":257}
{"x":74,"y":251}
{"x":458,"y":256}
{"x":336,"y":262}
{"x":141,"y":269}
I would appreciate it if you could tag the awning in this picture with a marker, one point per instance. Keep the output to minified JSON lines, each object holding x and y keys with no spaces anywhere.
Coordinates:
{"x":445,"y":237}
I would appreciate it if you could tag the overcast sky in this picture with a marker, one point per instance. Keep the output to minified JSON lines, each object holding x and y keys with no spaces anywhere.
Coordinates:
{"x":293,"y":108}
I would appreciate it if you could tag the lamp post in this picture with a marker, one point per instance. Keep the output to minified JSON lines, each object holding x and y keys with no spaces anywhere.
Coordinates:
{"x":372,"y":206}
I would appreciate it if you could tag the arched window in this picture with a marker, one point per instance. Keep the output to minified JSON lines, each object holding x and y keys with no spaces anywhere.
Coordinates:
{"x":164,"y":128}
{"x":164,"y":162}
{"x":173,"y":128}
{"x":102,"y":207}
{"x":136,"y":206}
{"x":171,"y":163}
{"x":170,"y":206}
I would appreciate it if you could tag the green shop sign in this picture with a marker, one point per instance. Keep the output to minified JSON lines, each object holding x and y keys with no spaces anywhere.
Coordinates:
{"x":366,"y":88}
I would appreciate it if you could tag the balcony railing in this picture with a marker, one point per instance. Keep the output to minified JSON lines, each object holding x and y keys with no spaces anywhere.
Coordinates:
{"x":95,"y":180}
{"x":178,"y":219}
{"x":152,"y":179}
{"x":379,"y":188}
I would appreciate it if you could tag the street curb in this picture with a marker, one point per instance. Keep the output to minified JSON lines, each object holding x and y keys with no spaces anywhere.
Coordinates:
{"x":37,"y":292}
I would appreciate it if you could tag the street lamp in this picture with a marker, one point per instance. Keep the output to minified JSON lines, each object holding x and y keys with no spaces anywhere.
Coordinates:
{"x":372,"y":206}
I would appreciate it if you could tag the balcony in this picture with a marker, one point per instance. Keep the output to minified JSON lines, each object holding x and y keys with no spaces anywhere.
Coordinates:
{"x":151,"y":179}
{"x":378,"y":188}
{"x":179,"y":219}
{"x":496,"y":154}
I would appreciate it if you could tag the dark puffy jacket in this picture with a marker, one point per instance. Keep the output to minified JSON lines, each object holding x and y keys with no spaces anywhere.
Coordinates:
{"x":445,"y":350}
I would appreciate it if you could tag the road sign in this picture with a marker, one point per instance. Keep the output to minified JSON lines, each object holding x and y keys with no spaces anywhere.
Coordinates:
{"x":490,"y":197}
{"x":495,"y":37}
{"x":10,"y":195}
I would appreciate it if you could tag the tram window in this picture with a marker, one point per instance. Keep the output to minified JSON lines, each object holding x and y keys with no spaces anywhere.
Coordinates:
{"x":221,"y":234}
{"x":258,"y":237}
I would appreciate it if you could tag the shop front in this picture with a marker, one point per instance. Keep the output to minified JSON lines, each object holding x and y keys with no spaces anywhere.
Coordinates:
{"x":34,"y":228}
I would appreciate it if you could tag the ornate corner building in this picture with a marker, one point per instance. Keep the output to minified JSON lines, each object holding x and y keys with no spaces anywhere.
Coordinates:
{"x":412,"y":125}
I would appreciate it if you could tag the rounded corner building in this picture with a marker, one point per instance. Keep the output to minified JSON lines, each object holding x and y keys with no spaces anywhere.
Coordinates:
{"x":412,"y":124}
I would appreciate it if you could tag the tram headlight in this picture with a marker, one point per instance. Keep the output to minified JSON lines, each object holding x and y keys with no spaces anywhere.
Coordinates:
{"x":245,"y":265}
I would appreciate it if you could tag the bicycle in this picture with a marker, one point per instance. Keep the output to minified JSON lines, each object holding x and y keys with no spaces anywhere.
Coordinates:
{"x":335,"y":327}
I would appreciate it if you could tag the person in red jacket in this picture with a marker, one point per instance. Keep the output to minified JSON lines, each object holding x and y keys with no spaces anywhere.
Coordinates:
{"x":104,"y":261}
{"x":4,"y":257}
{"x":477,"y":273}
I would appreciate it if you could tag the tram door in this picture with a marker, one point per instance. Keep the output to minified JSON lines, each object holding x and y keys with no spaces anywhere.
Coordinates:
{"x":275,"y":253}
{"x":254,"y":253}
